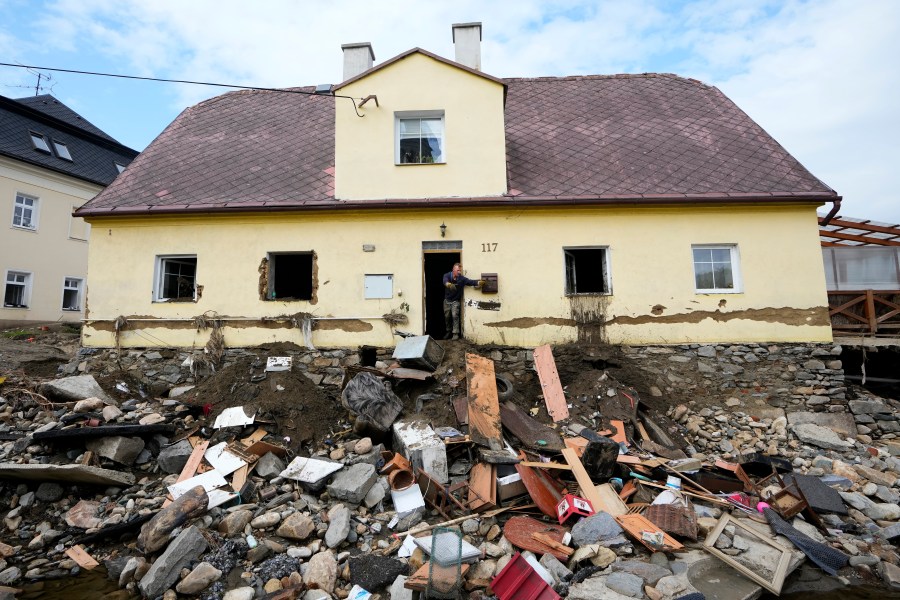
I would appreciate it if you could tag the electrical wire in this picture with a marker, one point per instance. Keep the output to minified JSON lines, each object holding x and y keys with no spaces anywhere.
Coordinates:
{"x":187,"y":81}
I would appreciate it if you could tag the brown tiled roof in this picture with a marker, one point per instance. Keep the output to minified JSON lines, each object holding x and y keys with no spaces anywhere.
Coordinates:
{"x":570,"y":140}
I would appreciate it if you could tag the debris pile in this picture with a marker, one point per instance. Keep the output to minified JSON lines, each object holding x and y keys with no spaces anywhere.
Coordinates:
{"x":447,"y":470}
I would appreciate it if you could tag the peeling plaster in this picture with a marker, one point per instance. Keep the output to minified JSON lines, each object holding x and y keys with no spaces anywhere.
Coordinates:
{"x":816,"y":316}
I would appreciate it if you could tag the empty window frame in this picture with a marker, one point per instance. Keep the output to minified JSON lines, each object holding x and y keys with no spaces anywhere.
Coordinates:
{"x":716,"y":268}
{"x":17,"y":289}
{"x":419,"y":138}
{"x":40,"y":142}
{"x":176,"y":278}
{"x":379,"y":286}
{"x":290,"y":276}
{"x":587,"y":270}
{"x":71,"y":299}
{"x":25,"y":212}
{"x":62,"y":150}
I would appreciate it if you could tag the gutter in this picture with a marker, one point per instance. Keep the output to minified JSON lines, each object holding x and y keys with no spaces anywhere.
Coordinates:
{"x":834,"y":210}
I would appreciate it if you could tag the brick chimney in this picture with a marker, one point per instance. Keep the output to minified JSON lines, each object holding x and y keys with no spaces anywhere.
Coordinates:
{"x":357,"y":58}
{"x":467,"y":39}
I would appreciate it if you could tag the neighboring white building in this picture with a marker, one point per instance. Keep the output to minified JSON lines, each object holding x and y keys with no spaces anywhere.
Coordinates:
{"x":51,"y":162}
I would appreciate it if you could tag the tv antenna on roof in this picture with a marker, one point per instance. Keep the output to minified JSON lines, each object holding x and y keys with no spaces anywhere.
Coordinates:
{"x":45,"y":76}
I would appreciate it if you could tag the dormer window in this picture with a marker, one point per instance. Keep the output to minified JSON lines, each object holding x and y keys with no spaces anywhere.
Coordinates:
{"x":39,"y":142}
{"x":419,"y":138}
{"x":62,"y":150}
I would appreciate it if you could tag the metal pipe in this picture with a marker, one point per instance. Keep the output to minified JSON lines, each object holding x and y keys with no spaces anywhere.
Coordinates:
{"x":836,"y":206}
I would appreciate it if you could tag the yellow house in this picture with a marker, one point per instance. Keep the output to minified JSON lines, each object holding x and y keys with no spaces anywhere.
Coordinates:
{"x":51,"y":162}
{"x":636,"y":209}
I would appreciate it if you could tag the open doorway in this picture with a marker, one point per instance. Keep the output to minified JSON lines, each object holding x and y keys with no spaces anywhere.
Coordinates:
{"x":437,"y":261}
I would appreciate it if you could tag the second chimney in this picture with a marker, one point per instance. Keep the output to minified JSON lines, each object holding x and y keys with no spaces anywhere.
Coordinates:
{"x":358,"y":58}
{"x":467,"y":39}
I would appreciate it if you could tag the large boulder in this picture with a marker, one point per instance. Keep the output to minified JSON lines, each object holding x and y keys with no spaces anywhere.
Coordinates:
{"x":183,"y":550}
{"x":155,"y":533}
{"x":123,"y":450}
{"x":73,"y":389}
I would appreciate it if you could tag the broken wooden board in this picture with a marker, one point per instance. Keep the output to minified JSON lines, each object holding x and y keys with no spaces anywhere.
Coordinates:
{"x":619,"y":436}
{"x":636,"y":525}
{"x":81,"y":433}
{"x":520,"y":532}
{"x":484,"y":408}
{"x":588,"y":487}
{"x":190,"y":467}
{"x":68,"y":473}
{"x":254,"y":437}
{"x":405,"y":373}
{"x":483,"y":487}
{"x":84,"y":560}
{"x":461,"y":410}
{"x":529,"y":431}
{"x":577,"y":444}
{"x":610,"y":500}
{"x":541,"y":489}
{"x":418,"y":581}
{"x":551,"y":388}
{"x":240,"y":478}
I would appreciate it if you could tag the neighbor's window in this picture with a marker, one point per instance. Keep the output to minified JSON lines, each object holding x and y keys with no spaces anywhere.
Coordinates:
{"x":25,"y":212}
{"x":716,"y":268}
{"x":379,"y":286}
{"x":15,"y":294}
{"x":176,"y":278}
{"x":587,"y":271}
{"x":72,"y":293}
{"x":40,"y":142}
{"x":290,"y":276}
{"x":420,"y":138}
{"x":62,"y":150}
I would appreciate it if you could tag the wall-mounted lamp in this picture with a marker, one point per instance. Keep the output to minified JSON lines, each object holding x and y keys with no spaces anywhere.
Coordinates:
{"x":443,"y":230}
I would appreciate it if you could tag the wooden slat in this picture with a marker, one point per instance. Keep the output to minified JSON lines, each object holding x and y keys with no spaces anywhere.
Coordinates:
{"x":484,"y":408}
{"x":418,"y":581}
{"x":483,"y":487}
{"x":558,"y":546}
{"x":611,"y":502}
{"x":550,"y":385}
{"x":84,"y":560}
{"x":529,"y":431}
{"x":240,"y":478}
{"x":577,"y":444}
{"x":254,"y":437}
{"x":588,"y":488}
{"x":870,"y":311}
{"x":619,"y":436}
{"x":636,"y":524}
{"x":191,"y":466}
{"x":547,"y":465}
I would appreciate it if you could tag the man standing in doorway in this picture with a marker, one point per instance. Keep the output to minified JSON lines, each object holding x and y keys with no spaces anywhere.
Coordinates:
{"x":454,"y":281}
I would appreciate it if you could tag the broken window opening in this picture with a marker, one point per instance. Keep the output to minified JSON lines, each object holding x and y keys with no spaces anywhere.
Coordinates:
{"x":290,"y":276}
{"x":71,"y":294}
{"x":587,"y":271}
{"x":15,"y":294}
{"x":177,"y":278}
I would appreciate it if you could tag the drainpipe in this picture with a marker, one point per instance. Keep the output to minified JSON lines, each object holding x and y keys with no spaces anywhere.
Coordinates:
{"x":836,"y":206}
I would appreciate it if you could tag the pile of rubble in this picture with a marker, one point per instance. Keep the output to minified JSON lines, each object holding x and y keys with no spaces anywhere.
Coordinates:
{"x":448,"y":471}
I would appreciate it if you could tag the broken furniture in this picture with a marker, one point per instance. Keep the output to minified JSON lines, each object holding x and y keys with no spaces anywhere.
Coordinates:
{"x":771,"y":578}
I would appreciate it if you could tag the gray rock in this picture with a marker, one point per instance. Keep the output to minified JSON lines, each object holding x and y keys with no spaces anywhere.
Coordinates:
{"x":593,"y":588}
{"x":596,"y":528}
{"x":183,"y":550}
{"x":706,"y":351}
{"x":88,"y":405}
{"x":123,"y":450}
{"x":111,"y":413}
{"x":398,"y":589}
{"x":841,"y":423}
{"x":234,"y":523}
{"x":338,"y":525}
{"x":820,"y":436}
{"x":241,"y":593}
{"x":321,"y":572}
{"x":353,"y":483}
{"x":269,"y":466}
{"x":180,"y":390}
{"x":868,"y":407}
{"x":72,"y":389}
{"x":265,"y":520}
{"x":891,"y":575}
{"x":172,"y":458}
{"x":883,"y":512}
{"x":626,"y":584}
{"x":10,"y":575}
{"x":296,"y":527}
{"x":199,"y":579}
{"x":868,"y":560}
{"x":559,"y":571}
{"x":49,"y":492}
{"x":649,"y":573}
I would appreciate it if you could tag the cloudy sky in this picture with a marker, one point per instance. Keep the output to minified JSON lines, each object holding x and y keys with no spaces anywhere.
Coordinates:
{"x":817,"y":75}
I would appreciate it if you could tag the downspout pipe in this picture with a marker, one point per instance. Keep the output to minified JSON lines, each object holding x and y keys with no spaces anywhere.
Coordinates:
{"x":836,"y":206}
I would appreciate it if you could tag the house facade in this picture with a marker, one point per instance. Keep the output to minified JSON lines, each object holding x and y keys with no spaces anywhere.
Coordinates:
{"x":630,"y":209}
{"x":51,"y":162}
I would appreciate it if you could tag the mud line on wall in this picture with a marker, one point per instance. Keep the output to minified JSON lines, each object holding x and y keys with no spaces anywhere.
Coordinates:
{"x":589,"y":316}
{"x":816,"y":316}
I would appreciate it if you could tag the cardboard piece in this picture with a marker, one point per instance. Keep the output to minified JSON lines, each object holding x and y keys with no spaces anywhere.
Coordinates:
{"x":233,"y":417}
{"x":310,"y":470}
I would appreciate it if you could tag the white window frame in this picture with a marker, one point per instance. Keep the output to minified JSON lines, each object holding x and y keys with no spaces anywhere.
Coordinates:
{"x":607,"y":271}
{"x":419,"y":114}
{"x":79,"y":293}
{"x":159,"y":273}
{"x":34,"y":208}
{"x":62,"y":150}
{"x":378,"y":286}
{"x":26,"y":293}
{"x":39,"y":141}
{"x":735,"y":258}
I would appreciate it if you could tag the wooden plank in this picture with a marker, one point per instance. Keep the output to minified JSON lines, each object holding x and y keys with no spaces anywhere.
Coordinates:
{"x":612,"y":503}
{"x":482,"y":487}
{"x":636,"y":525}
{"x":550,"y":385}
{"x":558,"y":546}
{"x":191,"y":466}
{"x":461,"y":409}
{"x":588,"y":488}
{"x":577,"y":444}
{"x":240,"y":478}
{"x":418,"y":581}
{"x":254,"y":437}
{"x":520,"y":532}
{"x":540,"y":488}
{"x":546,"y":465}
{"x":619,"y":436}
{"x":84,"y":560}
{"x":484,"y":408}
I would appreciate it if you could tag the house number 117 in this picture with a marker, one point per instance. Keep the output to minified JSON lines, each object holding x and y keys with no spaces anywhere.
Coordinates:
{"x":489,"y":247}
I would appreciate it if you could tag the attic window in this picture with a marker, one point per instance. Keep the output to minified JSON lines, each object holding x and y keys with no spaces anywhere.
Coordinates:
{"x":62,"y":150}
{"x":419,"y":138}
{"x":39,"y":142}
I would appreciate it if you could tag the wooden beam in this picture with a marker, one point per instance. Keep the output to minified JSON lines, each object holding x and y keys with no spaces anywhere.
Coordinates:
{"x":865,"y":225}
{"x":588,"y":487}
{"x":191,"y":466}
{"x":84,"y":560}
{"x":550,"y":385}
{"x":861,"y":238}
{"x":484,"y":408}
